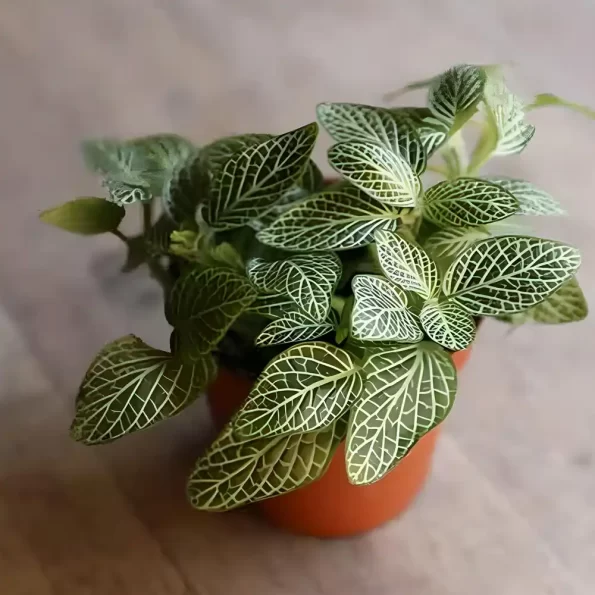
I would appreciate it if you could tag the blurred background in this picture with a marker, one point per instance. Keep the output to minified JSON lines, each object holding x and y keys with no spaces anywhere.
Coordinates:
{"x":510,"y":506}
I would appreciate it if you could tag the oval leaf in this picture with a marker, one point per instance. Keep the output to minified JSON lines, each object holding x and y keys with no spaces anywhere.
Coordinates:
{"x":216,"y":154}
{"x":273,"y":306}
{"x":294,"y":327}
{"x":131,"y":386}
{"x":406,"y":264}
{"x":409,"y":390}
{"x":85,"y":216}
{"x":509,"y":274}
{"x":532,"y":200}
{"x":380,"y":312}
{"x":447,"y":243}
{"x":251,"y":182}
{"x":340,"y":218}
{"x":303,"y":389}
{"x":468,"y":202}
{"x":382,"y":174}
{"x":309,"y":280}
{"x":448,"y":325}
{"x":234,"y":472}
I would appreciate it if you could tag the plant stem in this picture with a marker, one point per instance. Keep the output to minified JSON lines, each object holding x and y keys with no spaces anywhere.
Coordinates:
{"x":147,"y":216}
{"x":120,"y":235}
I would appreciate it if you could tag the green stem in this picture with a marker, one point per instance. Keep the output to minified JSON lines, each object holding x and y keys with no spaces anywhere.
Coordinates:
{"x":157,"y":271}
{"x":147,"y":216}
{"x":120,"y":235}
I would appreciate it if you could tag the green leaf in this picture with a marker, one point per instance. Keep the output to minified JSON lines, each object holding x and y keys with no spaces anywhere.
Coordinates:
{"x":532,"y":200}
{"x":381,"y":173}
{"x":234,"y":472}
{"x":124,"y":194}
{"x":432,"y":133}
{"x":566,"y":304}
{"x":351,"y":122}
{"x":216,"y":154}
{"x":508,"y":274}
{"x":165,"y":152}
{"x":195,"y":246}
{"x":406,"y":264}
{"x":117,"y":160}
{"x":273,"y":306}
{"x":251,"y":182}
{"x":548,"y":99}
{"x":455,"y":157}
{"x":409,"y":390}
{"x":468,"y":202}
{"x":454,"y":95}
{"x":204,"y":303}
{"x":184,"y":190}
{"x":447,"y":243}
{"x":85,"y":216}
{"x":308,"y":279}
{"x":448,"y":325}
{"x":305,"y":388}
{"x":380,"y":312}
{"x":340,"y":218}
{"x":130,"y":386}
{"x":294,"y":327}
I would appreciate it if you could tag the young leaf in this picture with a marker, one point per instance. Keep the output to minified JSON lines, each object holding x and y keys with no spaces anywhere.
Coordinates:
{"x":381,"y":173}
{"x":131,"y":386}
{"x":380,"y":312}
{"x":351,"y":122}
{"x":567,"y":304}
{"x":468,"y":202}
{"x":305,"y":388}
{"x":447,"y":243}
{"x":448,"y":325}
{"x":204,"y":303}
{"x":409,"y":390}
{"x":407,"y":264}
{"x":251,"y":182}
{"x":85,"y":216}
{"x":532,"y":200}
{"x":234,"y":472}
{"x":184,"y":190}
{"x":340,"y":218}
{"x":547,"y":99}
{"x":294,"y":327}
{"x":124,"y":194}
{"x":308,"y":279}
{"x":508,"y":274}
{"x":454,"y":95}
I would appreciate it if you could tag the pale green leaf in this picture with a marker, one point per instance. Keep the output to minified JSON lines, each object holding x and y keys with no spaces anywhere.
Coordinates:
{"x":251,"y":182}
{"x":381,"y":173}
{"x":468,"y":202}
{"x":294,"y":327}
{"x":185,"y":189}
{"x":340,"y":218}
{"x":455,"y":157}
{"x":85,"y":216}
{"x":409,"y":389}
{"x":380,"y":312}
{"x":124,"y":194}
{"x":234,"y":472}
{"x":448,"y":325}
{"x":548,"y":99}
{"x":308,"y":279}
{"x":508,"y":274}
{"x":165,"y":152}
{"x":447,"y":243}
{"x":351,"y":122}
{"x":116,"y":160}
{"x":195,"y":246}
{"x":204,"y":303}
{"x":130,"y":386}
{"x":406,"y":264}
{"x":305,"y":388}
{"x":532,"y":200}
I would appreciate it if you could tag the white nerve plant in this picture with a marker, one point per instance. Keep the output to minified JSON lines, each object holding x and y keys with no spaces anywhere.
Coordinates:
{"x":344,"y":300}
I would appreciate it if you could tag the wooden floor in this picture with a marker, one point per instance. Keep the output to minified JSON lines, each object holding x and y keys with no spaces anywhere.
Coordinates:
{"x":510,"y":509}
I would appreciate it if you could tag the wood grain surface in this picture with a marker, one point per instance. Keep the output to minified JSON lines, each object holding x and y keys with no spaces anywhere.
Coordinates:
{"x":510,"y":508}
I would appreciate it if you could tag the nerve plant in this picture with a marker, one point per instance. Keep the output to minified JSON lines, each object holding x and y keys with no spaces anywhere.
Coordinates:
{"x":343,"y":299}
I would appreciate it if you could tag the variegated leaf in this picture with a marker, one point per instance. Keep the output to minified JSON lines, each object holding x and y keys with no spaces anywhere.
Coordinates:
{"x":448,"y":325}
{"x":308,"y":279}
{"x":468,"y":202}
{"x":273,"y":306}
{"x":447,"y":243}
{"x":216,"y":154}
{"x":508,"y":274}
{"x":381,"y":173}
{"x":380,"y":312}
{"x":407,"y":264}
{"x":294,"y":327}
{"x":130,"y":386}
{"x":184,"y":190}
{"x":305,"y":388}
{"x":409,"y":389}
{"x":340,"y":218}
{"x":432,"y":133}
{"x":532,"y":200}
{"x":351,"y":122}
{"x":87,"y":215}
{"x":124,"y":194}
{"x":204,"y":303}
{"x":234,"y":472}
{"x":251,"y":182}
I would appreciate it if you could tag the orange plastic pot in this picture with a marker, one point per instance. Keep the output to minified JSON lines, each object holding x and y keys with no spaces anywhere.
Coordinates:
{"x":331,"y":506}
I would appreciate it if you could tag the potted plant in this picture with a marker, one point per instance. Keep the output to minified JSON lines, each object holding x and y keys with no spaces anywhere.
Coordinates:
{"x":325,"y":319}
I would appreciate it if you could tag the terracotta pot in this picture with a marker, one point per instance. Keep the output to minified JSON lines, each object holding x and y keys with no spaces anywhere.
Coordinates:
{"x":331,"y":506}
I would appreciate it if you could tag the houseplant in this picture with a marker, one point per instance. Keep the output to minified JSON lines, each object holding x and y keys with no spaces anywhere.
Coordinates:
{"x":336,"y":305}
